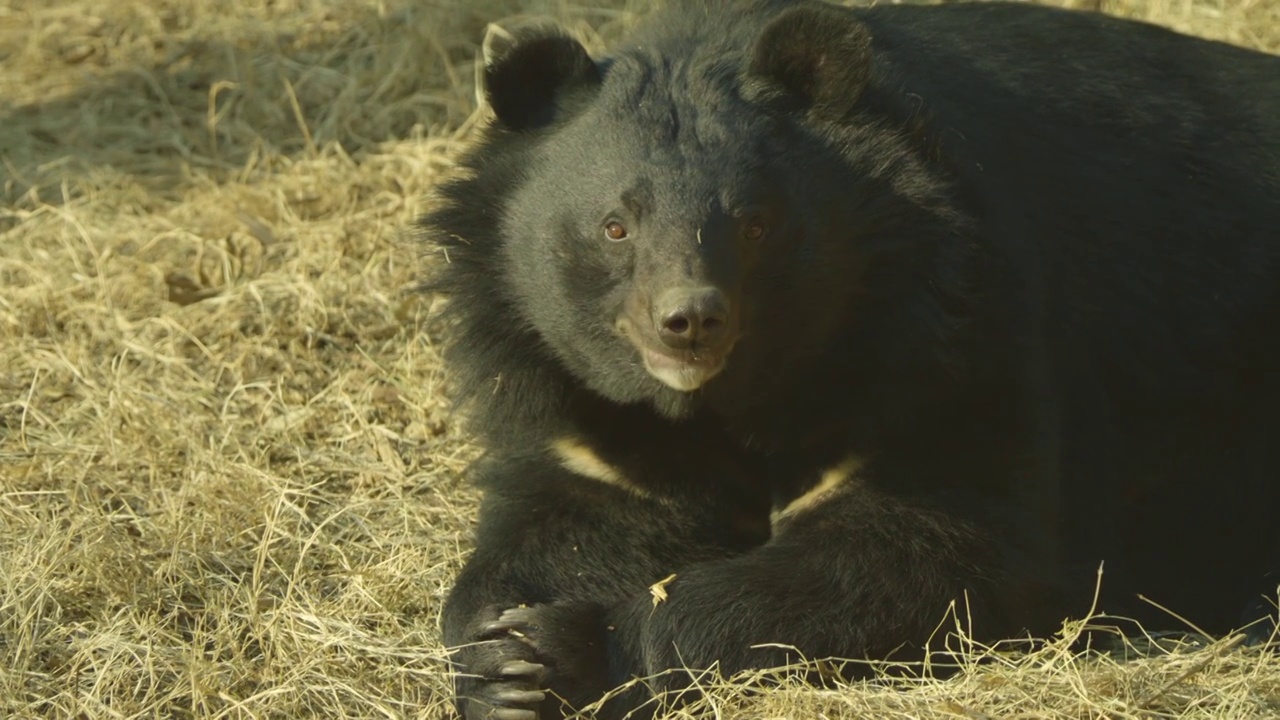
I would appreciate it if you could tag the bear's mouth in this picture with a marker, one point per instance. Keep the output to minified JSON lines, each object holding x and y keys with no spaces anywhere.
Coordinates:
{"x":682,"y":370}
{"x":685,"y":372}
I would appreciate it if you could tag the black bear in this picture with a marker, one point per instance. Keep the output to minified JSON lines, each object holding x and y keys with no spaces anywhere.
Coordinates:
{"x":792,"y":325}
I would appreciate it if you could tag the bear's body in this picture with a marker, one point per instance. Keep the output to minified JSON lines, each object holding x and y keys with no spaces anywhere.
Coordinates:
{"x":840,"y":316}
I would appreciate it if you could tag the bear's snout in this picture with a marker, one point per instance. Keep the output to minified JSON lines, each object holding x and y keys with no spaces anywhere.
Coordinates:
{"x":684,"y":317}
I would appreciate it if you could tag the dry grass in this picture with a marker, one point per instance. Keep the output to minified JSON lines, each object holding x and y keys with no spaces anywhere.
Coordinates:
{"x":228,"y":479}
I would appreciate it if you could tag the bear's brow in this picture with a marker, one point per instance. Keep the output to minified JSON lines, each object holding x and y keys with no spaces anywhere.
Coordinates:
{"x":638,"y":198}
{"x":680,"y":102}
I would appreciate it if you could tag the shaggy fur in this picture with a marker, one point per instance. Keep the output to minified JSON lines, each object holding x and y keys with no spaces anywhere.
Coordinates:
{"x":1003,"y":302}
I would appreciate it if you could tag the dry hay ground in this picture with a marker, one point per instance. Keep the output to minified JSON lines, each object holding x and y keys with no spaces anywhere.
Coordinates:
{"x":229,"y":478}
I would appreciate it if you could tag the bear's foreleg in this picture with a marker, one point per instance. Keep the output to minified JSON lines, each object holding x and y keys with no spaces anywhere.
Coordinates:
{"x":856,"y":574}
{"x":574,"y":542}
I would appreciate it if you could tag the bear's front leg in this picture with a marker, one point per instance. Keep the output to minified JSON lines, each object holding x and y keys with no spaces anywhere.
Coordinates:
{"x":572,"y":536}
{"x":850,"y":573}
{"x":525,"y":663}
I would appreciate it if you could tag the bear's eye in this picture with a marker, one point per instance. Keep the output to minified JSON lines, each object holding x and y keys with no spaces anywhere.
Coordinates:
{"x":755,"y":230}
{"x":615,"y":231}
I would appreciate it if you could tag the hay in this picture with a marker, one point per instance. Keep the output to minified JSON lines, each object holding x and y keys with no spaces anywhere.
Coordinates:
{"x":228,"y":476}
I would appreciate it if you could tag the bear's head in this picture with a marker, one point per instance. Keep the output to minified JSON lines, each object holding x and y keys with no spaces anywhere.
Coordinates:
{"x":687,"y":218}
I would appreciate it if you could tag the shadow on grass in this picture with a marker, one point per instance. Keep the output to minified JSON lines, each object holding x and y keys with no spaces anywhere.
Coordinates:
{"x":180,"y":91}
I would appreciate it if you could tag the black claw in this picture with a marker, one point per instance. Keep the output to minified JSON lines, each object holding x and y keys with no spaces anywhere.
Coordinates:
{"x":518,"y":615}
{"x":513,"y":714}
{"x":520,"y":668}
{"x":513,"y":620}
{"x":520,"y":697}
{"x":499,"y":626}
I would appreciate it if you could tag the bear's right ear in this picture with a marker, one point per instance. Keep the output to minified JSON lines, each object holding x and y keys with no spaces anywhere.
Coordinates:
{"x":818,"y":55}
{"x":527,"y":74}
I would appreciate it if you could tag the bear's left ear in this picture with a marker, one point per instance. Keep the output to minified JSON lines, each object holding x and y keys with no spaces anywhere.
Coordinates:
{"x":529,"y":73}
{"x":817,"y":55}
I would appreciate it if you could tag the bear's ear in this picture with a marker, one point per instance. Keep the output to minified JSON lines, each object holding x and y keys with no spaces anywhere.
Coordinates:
{"x":529,"y":72}
{"x":818,"y":56}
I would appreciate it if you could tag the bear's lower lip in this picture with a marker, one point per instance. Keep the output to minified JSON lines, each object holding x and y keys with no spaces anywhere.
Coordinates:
{"x":685,"y":374}
{"x":685,"y":371}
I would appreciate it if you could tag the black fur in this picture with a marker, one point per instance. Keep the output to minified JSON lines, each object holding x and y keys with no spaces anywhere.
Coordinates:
{"x":1023,"y":264}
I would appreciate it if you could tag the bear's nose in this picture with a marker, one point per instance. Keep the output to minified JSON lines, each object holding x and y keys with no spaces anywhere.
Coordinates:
{"x":688,"y":315}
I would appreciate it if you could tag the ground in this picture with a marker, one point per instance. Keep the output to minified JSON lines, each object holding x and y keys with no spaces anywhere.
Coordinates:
{"x":229,"y":479}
